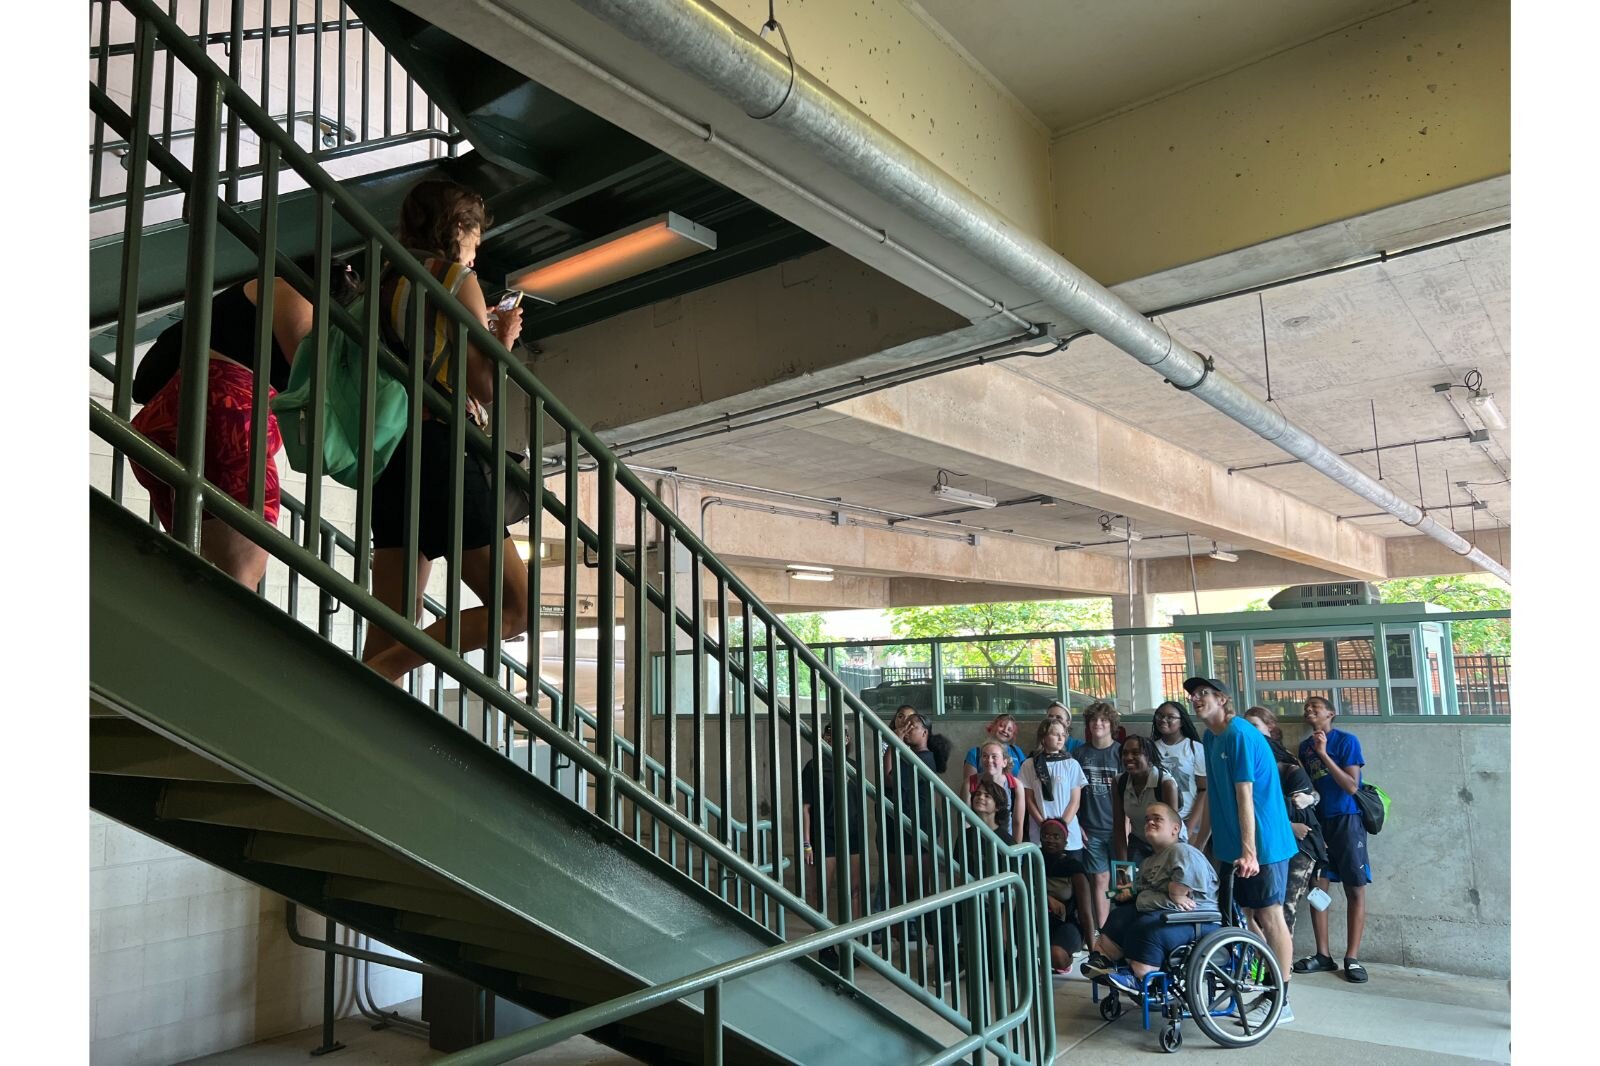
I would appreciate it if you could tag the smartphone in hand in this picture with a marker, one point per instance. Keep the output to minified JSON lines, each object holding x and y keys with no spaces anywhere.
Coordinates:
{"x":506,"y":304}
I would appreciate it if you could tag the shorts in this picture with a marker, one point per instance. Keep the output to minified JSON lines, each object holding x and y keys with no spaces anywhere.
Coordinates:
{"x":434,"y":519}
{"x":1346,"y":838}
{"x":1266,"y":889}
{"x":1145,"y":936}
{"x":1065,"y":934}
{"x":1096,"y":854}
{"x":825,"y":841}
{"x":229,"y":397}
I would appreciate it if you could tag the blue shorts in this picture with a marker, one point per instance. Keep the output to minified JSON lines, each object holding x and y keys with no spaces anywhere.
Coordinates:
{"x":1145,"y":937}
{"x":1266,"y":889}
{"x":1346,"y":838}
{"x":1096,"y":854}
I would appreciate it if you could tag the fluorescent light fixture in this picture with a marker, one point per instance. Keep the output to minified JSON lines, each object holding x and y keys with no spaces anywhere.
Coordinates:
{"x":1047,"y":501}
{"x":802,"y":572}
{"x":963,"y":497}
{"x":1488,"y":410}
{"x":1120,"y":533}
{"x":627,"y":253}
{"x":1223,"y":557}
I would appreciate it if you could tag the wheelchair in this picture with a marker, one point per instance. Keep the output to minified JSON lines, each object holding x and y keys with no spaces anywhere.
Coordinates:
{"x":1217,"y":980}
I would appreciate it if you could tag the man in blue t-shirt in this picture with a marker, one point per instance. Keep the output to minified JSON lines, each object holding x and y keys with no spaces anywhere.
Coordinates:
{"x":1249,"y":822}
{"x":1333,"y":760}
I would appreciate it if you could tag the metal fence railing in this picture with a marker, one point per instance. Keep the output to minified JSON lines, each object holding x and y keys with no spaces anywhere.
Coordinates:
{"x":684,"y":798}
{"x":312,"y":65}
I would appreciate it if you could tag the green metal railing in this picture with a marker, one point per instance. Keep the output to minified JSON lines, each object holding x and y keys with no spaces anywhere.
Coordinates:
{"x":360,"y":98}
{"x":979,"y":899}
{"x":1045,"y":666}
{"x":686,"y":800}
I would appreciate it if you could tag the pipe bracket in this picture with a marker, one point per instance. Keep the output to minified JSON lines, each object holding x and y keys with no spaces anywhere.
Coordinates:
{"x":788,"y":53}
{"x":1207,"y":365}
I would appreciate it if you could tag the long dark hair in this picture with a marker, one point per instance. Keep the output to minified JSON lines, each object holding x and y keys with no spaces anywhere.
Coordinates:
{"x":1185,"y":723}
{"x":435,"y":212}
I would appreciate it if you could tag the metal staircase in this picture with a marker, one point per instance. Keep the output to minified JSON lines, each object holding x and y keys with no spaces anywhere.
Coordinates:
{"x":597,"y":868}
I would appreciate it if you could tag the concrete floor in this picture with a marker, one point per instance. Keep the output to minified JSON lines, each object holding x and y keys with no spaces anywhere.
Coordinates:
{"x":1401,"y":1017}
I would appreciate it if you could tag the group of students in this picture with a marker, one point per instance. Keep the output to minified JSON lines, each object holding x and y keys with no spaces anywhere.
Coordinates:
{"x":1273,"y":819}
{"x":442,"y":224}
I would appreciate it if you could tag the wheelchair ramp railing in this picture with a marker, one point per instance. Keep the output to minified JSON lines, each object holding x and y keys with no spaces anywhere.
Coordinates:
{"x":702,"y":763}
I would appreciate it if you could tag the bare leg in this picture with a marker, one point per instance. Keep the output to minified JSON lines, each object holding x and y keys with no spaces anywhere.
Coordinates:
{"x":232,"y":552}
{"x":1355,"y":919}
{"x":1319,"y":921}
{"x":1275,"y":931}
{"x":388,"y":585}
{"x":1099,"y":883}
{"x":476,"y":570}
{"x":855,"y":887}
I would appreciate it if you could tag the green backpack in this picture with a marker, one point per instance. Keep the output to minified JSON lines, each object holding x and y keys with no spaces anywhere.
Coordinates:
{"x":341,"y":410}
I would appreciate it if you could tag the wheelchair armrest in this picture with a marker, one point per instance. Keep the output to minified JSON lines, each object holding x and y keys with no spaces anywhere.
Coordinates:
{"x":1189,"y":917}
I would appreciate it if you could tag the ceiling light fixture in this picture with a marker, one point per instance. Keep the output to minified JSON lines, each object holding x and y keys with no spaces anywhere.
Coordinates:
{"x":1221,"y":556}
{"x":802,"y":572}
{"x":946,"y":491}
{"x":1127,"y":534}
{"x":1047,"y":501}
{"x":627,"y":253}
{"x":1488,"y":410}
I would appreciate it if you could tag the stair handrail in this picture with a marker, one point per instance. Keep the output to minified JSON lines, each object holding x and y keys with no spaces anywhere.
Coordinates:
{"x":711,"y":979}
{"x":195,"y":494}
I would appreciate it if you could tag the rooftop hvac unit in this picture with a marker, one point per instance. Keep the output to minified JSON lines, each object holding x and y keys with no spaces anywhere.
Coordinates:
{"x":1330,"y":594}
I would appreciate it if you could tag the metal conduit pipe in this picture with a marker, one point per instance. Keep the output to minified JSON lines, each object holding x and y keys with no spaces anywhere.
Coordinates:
{"x":707,"y":43}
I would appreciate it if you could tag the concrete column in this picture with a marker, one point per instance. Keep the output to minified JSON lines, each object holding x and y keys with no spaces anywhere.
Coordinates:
{"x":1138,"y":658}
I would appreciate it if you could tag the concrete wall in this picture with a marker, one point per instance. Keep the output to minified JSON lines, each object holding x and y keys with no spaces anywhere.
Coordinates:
{"x":186,"y":960}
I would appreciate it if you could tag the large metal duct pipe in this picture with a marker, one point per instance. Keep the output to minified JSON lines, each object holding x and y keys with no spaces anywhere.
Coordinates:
{"x":704,"y":41}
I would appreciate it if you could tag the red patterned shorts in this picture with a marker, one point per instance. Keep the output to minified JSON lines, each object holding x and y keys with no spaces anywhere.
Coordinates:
{"x":228,"y":404}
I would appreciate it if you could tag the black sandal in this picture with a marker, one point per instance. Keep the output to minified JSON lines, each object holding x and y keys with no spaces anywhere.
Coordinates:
{"x":1316,"y":964}
{"x":1354,"y":972}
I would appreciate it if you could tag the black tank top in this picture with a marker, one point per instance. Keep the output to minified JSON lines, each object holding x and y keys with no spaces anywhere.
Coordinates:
{"x":233,"y":334}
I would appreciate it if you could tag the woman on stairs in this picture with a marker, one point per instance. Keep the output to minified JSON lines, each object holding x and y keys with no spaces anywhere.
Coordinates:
{"x":442,"y":223}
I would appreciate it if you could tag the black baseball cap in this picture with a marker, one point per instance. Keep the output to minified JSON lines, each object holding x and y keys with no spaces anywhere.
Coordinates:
{"x":1194,"y":683}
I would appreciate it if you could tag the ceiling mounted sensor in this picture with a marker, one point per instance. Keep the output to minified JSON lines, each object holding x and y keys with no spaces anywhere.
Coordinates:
{"x":625,"y":254}
{"x":1115,"y":533}
{"x":1221,"y":556}
{"x":802,"y":572}
{"x":946,"y":491}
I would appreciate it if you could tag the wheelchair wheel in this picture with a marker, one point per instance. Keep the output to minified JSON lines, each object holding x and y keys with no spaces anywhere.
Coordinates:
{"x":1111,"y":1007}
{"x":1234,"y":978}
{"x":1171,"y":1038}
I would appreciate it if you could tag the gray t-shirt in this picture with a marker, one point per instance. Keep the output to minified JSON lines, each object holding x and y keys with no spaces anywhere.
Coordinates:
{"x":1100,"y":766}
{"x":1183,"y":864}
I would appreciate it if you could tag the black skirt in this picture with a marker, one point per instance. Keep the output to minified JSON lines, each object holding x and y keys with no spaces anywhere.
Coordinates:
{"x":433,"y":527}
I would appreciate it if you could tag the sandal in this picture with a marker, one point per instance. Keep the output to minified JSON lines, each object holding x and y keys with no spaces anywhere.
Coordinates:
{"x":1354,"y":972}
{"x":1316,"y":964}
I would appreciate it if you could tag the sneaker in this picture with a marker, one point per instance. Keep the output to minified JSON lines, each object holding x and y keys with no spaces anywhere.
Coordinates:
{"x":1096,"y":964}
{"x":1124,"y":982}
{"x":1257,"y":1014}
{"x":1316,"y":964}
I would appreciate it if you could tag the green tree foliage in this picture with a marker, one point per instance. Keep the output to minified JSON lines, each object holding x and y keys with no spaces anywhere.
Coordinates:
{"x":991,"y":619}
{"x":811,"y":628}
{"x":1484,"y":636}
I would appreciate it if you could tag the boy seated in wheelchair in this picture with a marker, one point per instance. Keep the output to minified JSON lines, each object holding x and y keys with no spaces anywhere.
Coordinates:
{"x":1176,"y":877}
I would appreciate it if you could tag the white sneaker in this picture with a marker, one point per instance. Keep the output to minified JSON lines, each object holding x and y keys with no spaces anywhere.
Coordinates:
{"x":1257,"y":1014}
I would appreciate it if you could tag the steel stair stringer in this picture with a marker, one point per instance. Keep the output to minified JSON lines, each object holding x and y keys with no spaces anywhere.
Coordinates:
{"x":433,"y":841}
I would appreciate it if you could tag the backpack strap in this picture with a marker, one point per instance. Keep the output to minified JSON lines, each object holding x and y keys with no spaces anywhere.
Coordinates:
{"x":388,"y":283}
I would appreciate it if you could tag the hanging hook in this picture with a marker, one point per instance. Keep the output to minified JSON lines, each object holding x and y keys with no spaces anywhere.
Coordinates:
{"x":768,"y":26}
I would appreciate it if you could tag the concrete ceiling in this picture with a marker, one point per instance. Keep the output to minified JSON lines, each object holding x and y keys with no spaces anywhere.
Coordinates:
{"x":1072,"y":61}
{"x":1380,"y":335}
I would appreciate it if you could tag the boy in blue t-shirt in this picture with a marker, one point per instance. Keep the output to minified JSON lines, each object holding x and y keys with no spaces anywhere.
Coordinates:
{"x":1333,"y":760}
{"x":1249,"y":821}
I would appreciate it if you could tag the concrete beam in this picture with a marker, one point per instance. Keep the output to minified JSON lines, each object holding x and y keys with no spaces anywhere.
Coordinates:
{"x":756,"y":538}
{"x":1408,"y":104}
{"x":993,"y":423}
{"x":1426,"y":557}
{"x":820,"y":320}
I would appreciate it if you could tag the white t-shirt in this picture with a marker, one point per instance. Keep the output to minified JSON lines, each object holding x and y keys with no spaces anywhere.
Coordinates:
{"x":1065,"y":775}
{"x":1186,"y":762}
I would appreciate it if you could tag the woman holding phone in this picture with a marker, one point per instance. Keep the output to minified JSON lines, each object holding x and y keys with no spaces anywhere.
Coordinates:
{"x":442,"y":222}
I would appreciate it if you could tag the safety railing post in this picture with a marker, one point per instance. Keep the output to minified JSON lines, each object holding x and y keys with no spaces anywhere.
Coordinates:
{"x":936,"y":665}
{"x":201,"y":214}
{"x":977,"y":993}
{"x":606,"y":634}
{"x":840,"y":826}
{"x":711,"y":1049}
{"x":141,"y":105}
